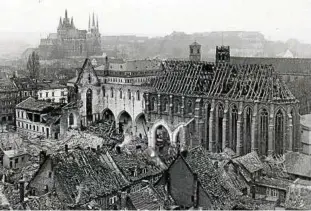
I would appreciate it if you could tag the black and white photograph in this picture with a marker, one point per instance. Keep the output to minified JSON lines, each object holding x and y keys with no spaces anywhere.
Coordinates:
{"x":155,"y":105}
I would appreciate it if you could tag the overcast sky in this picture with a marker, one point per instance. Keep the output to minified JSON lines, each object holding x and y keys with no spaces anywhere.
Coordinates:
{"x":276,"y":19}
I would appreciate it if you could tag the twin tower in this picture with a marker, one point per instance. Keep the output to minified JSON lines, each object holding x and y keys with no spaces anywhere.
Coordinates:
{"x":222,"y":53}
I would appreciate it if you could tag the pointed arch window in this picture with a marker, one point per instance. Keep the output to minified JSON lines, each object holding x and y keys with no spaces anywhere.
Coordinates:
{"x":247,"y":130}
{"x":121,"y":93}
{"x":89,"y":99}
{"x":111,"y":92}
{"x":138,"y":95}
{"x":177,"y":106}
{"x":189,"y":106}
{"x":233,"y":132}
{"x":129,"y":94}
{"x":279,"y":133}
{"x":219,"y":129}
{"x":263,"y":133}
{"x":165,"y":106}
{"x":71,"y":119}
{"x":104,"y":91}
{"x":153,"y":104}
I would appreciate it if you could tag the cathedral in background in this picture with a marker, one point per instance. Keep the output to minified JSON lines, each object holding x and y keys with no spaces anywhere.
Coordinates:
{"x":70,"y":42}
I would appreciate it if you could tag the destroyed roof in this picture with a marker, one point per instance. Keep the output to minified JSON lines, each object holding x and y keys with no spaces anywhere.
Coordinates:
{"x":141,"y":163}
{"x":244,"y":82}
{"x":14,"y":153}
{"x":24,"y":83}
{"x":299,"y":197}
{"x":36,"y":105}
{"x":49,"y":201}
{"x":146,"y":199}
{"x":298,"y":164}
{"x":210,"y":178}
{"x":281,"y":65}
{"x":248,"y":203}
{"x":82,"y":176}
{"x":278,"y":183}
{"x":250,"y":162}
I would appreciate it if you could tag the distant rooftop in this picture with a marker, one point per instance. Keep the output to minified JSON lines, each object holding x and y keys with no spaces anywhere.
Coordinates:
{"x":36,"y":105}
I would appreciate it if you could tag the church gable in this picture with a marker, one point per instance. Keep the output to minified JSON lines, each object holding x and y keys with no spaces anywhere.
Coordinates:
{"x":87,"y":75}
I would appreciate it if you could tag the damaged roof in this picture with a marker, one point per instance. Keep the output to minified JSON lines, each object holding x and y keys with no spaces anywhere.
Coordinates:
{"x":251,"y":162}
{"x":82,"y":176}
{"x":36,"y":105}
{"x":281,"y":65}
{"x":210,"y":178}
{"x":129,"y":163}
{"x":298,"y":164}
{"x":146,"y":199}
{"x":244,"y":82}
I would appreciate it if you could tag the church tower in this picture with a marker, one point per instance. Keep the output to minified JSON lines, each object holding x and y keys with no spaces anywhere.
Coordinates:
{"x":93,"y":37}
{"x":195,"y":52}
{"x":222,"y":54}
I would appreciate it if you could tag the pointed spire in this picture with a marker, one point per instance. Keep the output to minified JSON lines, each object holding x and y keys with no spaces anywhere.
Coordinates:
{"x":60,"y":23}
{"x":72,"y":25}
{"x":89,"y":22}
{"x":66,"y":14}
{"x":97,"y":23}
{"x":93,"y":22}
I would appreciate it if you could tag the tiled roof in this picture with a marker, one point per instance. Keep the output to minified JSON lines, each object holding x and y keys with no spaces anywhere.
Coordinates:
{"x":24,"y":83}
{"x":298,"y":164}
{"x":36,"y":105}
{"x":82,"y":176}
{"x":250,"y":161}
{"x":142,"y":65}
{"x":127,"y":163}
{"x":253,"y":82}
{"x":210,"y":178}
{"x":282,"y":65}
{"x":146,"y":199}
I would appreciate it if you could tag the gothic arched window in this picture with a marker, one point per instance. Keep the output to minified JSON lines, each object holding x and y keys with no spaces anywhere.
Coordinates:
{"x":220,"y":115}
{"x":104,"y":91}
{"x":263,"y":132}
{"x":279,"y":133}
{"x":247,"y":130}
{"x":177,"y":106}
{"x":165,"y":106}
{"x":71,"y":119}
{"x":89,"y":99}
{"x":121,"y":93}
{"x":152,"y":104}
{"x":129,"y":94}
{"x":189,"y":106}
{"x":111,"y":92}
{"x":233,"y":132}
{"x":138,"y":95}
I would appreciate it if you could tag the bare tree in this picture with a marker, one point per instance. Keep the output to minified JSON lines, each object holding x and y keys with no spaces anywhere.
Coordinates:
{"x":33,"y":65}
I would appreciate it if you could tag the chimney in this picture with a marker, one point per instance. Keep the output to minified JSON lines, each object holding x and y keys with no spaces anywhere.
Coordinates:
{"x":66,"y":148}
{"x":21,"y":190}
{"x":124,"y":199}
{"x":195,"y":190}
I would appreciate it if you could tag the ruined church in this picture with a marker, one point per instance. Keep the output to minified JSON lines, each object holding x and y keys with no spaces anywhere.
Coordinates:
{"x":245,"y":107}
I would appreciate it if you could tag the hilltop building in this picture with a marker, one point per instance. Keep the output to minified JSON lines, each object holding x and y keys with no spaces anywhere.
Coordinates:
{"x":71,"y":42}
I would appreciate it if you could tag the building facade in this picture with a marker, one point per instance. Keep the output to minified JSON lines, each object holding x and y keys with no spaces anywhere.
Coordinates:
{"x":54,"y":93}
{"x":38,"y":118}
{"x":218,"y":105}
{"x":70,"y":41}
